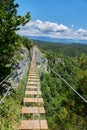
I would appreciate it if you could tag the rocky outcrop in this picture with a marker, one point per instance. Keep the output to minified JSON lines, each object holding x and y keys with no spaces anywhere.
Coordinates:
{"x":20,"y":67}
{"x":41,"y":60}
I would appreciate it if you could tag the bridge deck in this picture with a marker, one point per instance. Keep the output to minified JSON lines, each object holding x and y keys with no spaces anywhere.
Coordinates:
{"x":35,"y":104}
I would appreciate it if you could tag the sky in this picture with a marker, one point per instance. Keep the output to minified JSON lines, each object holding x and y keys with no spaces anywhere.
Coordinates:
{"x":54,"y":18}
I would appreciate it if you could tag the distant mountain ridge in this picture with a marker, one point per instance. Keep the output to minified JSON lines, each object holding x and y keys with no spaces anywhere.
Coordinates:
{"x":69,"y":41}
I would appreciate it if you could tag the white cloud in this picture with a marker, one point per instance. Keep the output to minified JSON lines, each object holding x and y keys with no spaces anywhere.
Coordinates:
{"x":51,"y":29}
{"x":82,"y":32}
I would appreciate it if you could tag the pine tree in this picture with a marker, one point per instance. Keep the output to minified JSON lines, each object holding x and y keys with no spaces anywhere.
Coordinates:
{"x":9,"y":24}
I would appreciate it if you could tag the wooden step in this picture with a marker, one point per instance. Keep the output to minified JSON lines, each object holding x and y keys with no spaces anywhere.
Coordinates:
{"x":34,"y":84}
{"x":30,"y":125}
{"x":37,"y":80}
{"x":33,"y":73}
{"x":33,"y":100}
{"x":27,"y":110}
{"x":44,"y":125}
{"x":33,"y":125}
{"x":33,"y":87}
{"x":33,"y":77}
{"x":33,"y":80}
{"x":33,"y":92}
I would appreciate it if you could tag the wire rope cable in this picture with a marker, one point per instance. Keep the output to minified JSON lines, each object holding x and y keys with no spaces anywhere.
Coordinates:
{"x":69,"y":85}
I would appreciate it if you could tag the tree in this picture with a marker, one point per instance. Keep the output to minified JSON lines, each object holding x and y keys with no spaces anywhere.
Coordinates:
{"x":9,"y":24}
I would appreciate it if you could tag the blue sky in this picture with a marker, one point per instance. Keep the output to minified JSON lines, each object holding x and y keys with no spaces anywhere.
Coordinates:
{"x":55,"y":18}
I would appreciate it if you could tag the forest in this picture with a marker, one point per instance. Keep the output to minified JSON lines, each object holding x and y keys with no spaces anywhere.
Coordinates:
{"x":65,"y":110}
{"x":73,"y":49}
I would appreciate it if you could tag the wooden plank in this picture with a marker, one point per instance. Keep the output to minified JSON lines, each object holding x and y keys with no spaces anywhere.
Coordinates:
{"x":33,"y":125}
{"x":30,"y":125}
{"x":33,"y":73}
{"x":27,"y":110}
{"x":33,"y":92}
{"x":33,"y":87}
{"x":34,"y":76}
{"x":33,"y":80}
{"x":33,"y":84}
{"x":44,"y":125}
{"x":33,"y":100}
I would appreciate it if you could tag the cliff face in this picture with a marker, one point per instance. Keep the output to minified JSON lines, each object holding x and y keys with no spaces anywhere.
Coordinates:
{"x":20,"y":65}
{"x":41,"y":60}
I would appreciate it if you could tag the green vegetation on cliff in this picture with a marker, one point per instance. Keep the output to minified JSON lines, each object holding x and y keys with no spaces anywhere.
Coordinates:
{"x":64,"y":109}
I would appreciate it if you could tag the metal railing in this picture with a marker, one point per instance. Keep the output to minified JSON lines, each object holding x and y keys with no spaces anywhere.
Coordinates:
{"x":78,"y":94}
{"x":13,"y":79}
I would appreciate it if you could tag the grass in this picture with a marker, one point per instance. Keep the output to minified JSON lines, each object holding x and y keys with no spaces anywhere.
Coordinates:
{"x":10,"y":109}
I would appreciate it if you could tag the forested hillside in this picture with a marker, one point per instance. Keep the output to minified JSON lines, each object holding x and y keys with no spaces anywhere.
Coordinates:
{"x":65,"y":110}
{"x":73,"y":49}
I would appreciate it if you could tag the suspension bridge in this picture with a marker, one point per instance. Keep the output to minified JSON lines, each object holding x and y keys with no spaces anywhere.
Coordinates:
{"x":33,"y":112}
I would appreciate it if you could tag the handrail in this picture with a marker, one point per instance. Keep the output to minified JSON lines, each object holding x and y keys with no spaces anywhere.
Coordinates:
{"x":8,"y":75}
{"x":24,"y":72}
{"x":85,"y":100}
{"x":5,"y":94}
